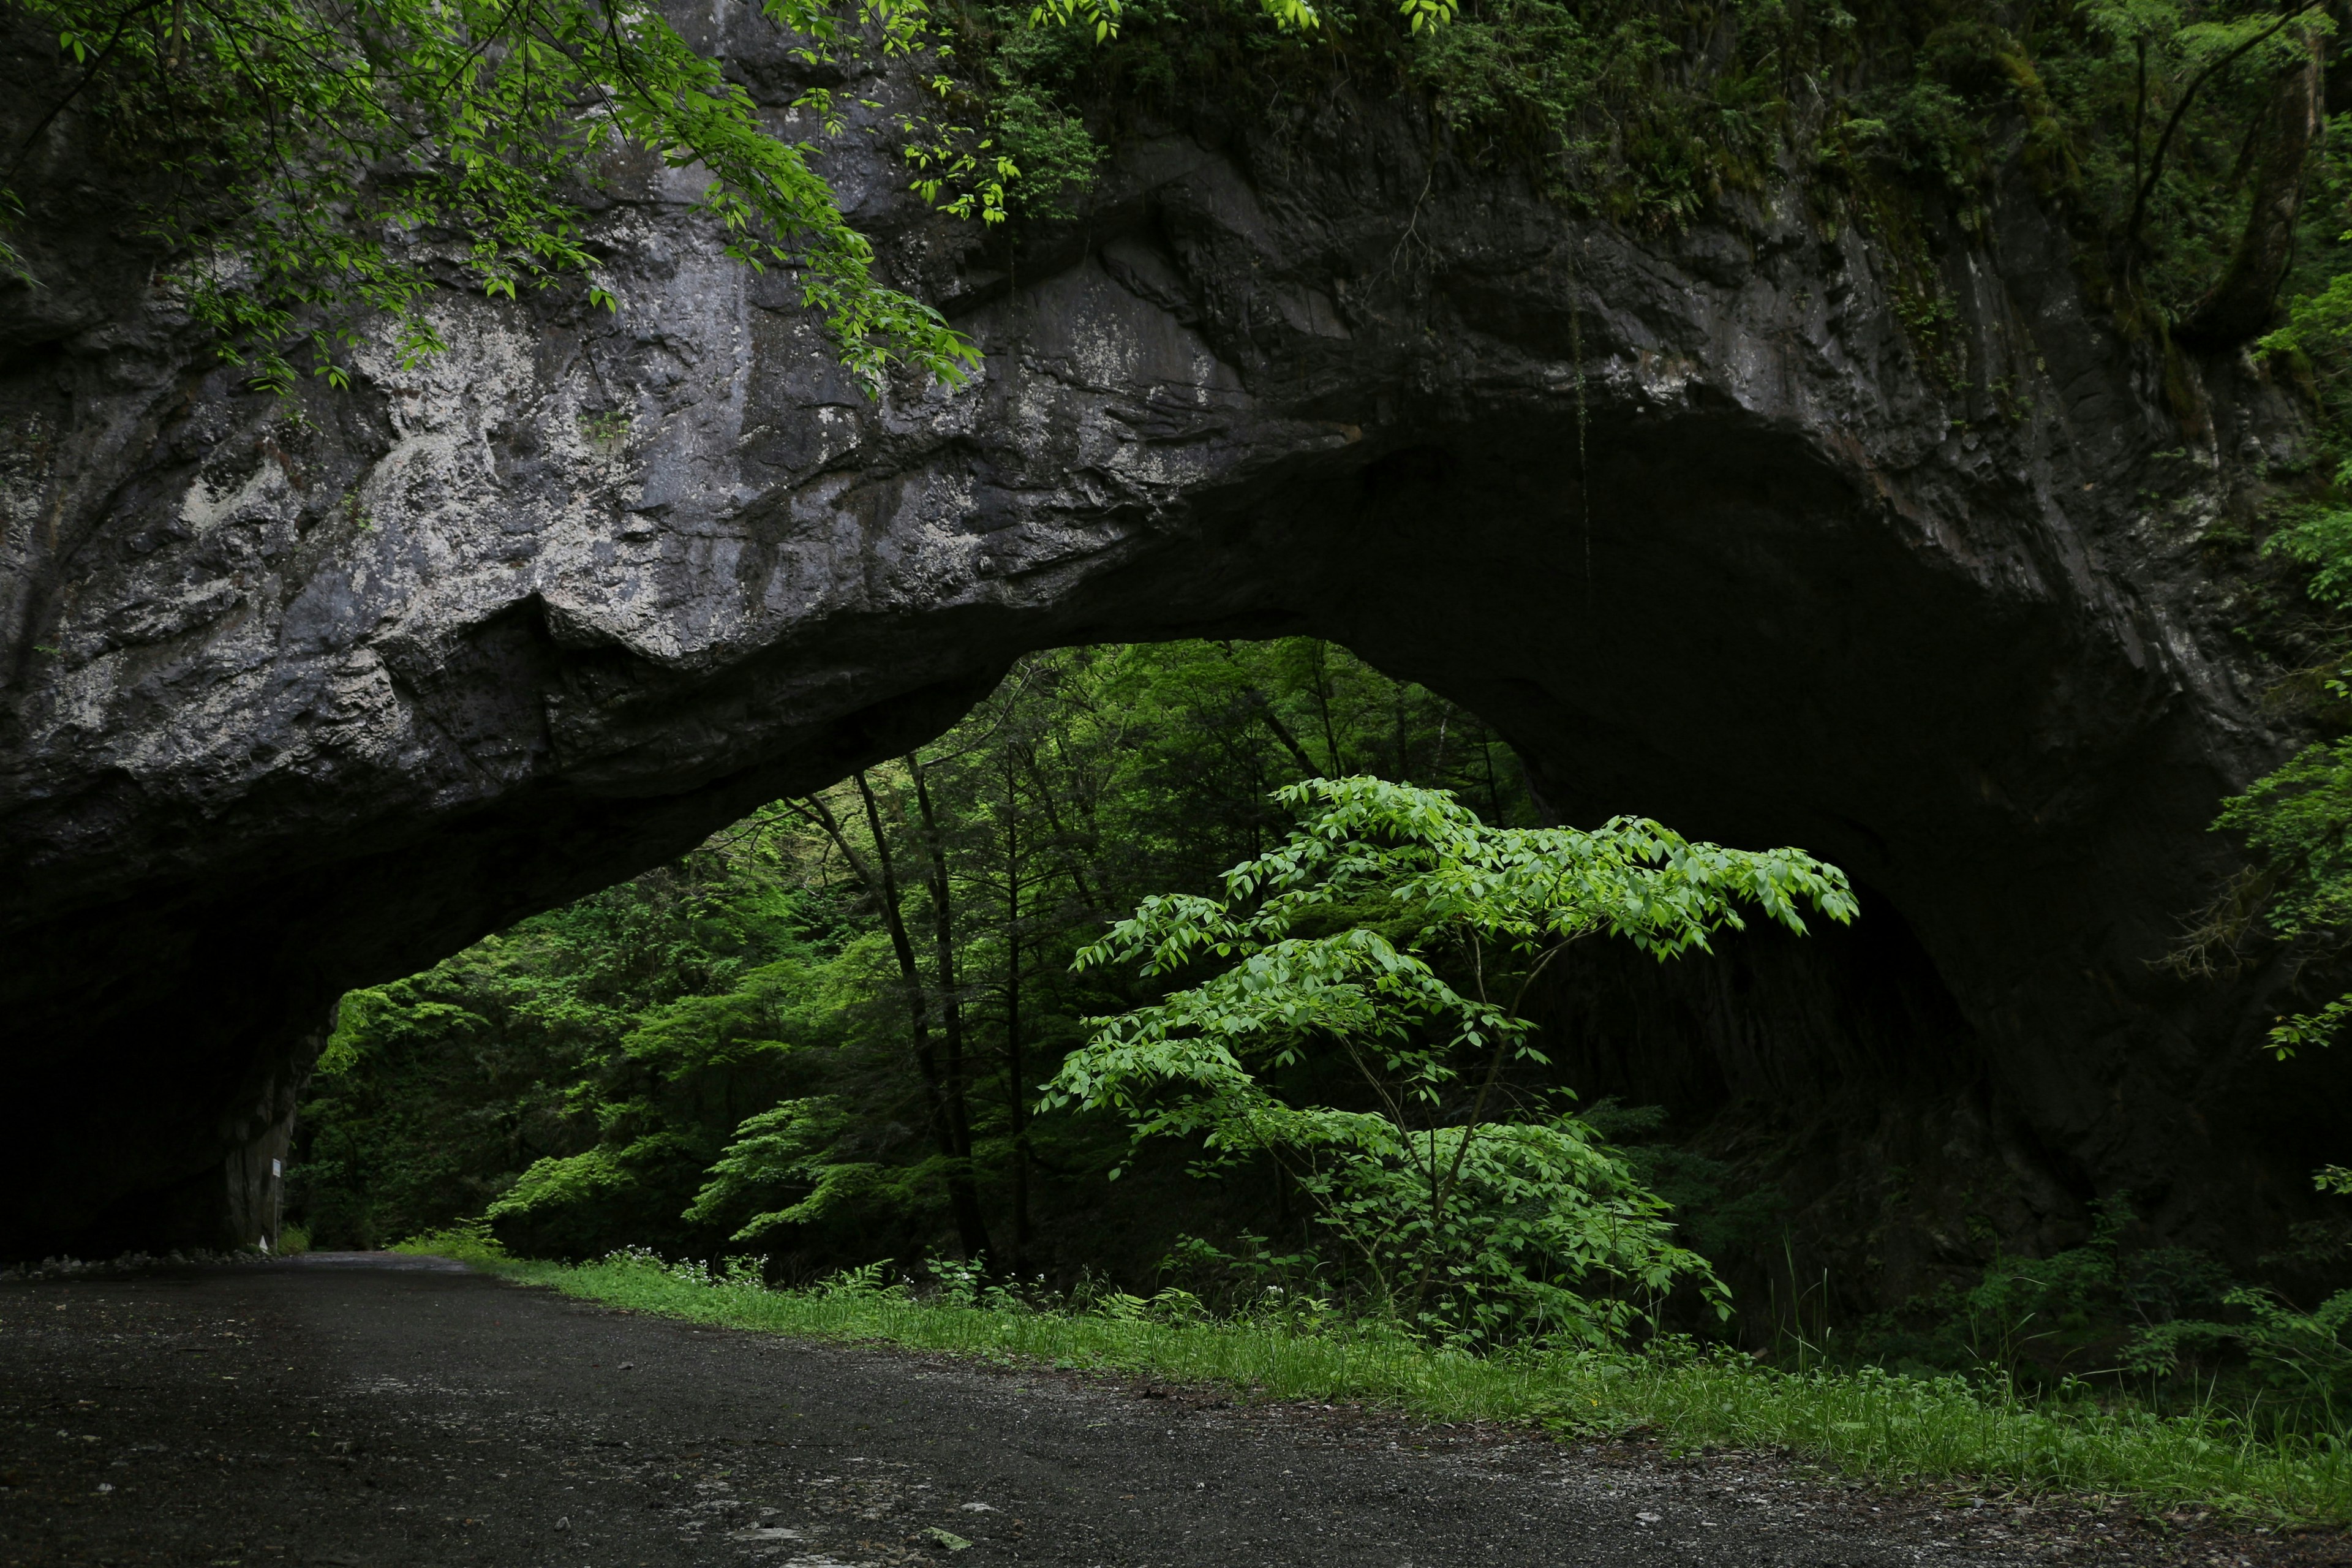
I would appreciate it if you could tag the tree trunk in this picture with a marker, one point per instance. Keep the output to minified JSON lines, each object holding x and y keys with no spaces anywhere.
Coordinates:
{"x":2239,"y":307}
{"x":971,"y":1235}
{"x":961,"y":1189}
{"x":1018,"y":1100}
{"x":1072,"y":847}
{"x":1323,"y":708}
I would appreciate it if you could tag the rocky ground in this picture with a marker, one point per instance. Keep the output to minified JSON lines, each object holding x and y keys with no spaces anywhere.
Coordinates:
{"x":371,"y":1410}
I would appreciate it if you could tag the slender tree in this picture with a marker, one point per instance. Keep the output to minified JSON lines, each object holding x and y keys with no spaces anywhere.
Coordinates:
{"x":881,"y":881}
{"x":943,"y":938}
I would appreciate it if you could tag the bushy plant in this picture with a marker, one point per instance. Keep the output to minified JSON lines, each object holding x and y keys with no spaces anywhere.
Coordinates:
{"x":2304,"y":1357}
{"x":1395,"y":933}
{"x":306,"y":147}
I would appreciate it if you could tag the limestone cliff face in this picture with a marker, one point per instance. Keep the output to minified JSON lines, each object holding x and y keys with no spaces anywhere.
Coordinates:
{"x":299,"y":703}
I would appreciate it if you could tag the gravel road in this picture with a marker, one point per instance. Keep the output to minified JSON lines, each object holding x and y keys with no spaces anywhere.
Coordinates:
{"x":363,"y":1409}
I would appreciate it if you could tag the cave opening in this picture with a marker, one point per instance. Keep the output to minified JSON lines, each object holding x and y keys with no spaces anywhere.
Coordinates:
{"x":1821,"y":516}
{"x":1692,"y":612}
{"x":1695,"y":618}
{"x":1088,"y":778}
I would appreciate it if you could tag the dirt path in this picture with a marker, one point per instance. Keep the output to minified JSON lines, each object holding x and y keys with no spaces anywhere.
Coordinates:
{"x":387,"y":1411}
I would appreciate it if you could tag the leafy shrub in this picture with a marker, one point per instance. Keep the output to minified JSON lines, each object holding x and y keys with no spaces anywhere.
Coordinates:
{"x":1394,"y":931}
{"x":2306,"y":1357}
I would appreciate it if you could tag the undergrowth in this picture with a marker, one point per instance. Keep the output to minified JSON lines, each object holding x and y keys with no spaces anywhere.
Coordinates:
{"x":1866,"y":1421}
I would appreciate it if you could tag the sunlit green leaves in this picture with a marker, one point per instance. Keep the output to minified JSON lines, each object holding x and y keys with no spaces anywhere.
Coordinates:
{"x":792,"y":1148}
{"x":1102,"y":17}
{"x":2295,"y":821}
{"x":2297,"y":818}
{"x":2319,"y":539}
{"x":1396,"y":930}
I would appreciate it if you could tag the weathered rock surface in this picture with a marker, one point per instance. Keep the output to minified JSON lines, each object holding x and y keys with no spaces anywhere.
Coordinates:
{"x":297,"y":704}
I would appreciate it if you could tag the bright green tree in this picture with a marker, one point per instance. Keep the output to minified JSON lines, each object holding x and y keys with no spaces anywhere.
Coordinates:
{"x":1395,"y":932}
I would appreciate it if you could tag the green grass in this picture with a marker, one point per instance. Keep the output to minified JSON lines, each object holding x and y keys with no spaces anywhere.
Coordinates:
{"x":1865,"y":1422}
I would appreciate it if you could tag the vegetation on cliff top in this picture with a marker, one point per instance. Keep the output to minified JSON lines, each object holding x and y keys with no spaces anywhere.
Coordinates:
{"x":320,"y":169}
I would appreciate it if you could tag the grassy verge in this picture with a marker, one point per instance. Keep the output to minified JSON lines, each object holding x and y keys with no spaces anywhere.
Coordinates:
{"x":1866,"y":1423}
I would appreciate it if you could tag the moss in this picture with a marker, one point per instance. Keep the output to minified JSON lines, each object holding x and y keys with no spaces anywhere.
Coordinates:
{"x":1893,"y":217}
{"x":2183,"y":396}
{"x":2047,"y":154}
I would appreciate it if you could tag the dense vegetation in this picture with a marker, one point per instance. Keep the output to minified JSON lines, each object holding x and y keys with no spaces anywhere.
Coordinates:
{"x":320,"y":169}
{"x":913,"y":1024}
{"x":821,"y":1034}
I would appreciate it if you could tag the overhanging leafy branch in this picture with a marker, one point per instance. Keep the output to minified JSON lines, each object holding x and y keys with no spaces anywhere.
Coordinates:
{"x":323,"y":160}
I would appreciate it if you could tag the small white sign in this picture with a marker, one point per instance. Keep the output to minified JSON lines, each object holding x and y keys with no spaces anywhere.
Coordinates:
{"x":276,"y":1169}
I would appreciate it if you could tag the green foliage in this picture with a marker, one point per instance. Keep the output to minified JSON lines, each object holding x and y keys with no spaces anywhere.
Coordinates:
{"x":566,"y":1205}
{"x":619,"y":1026}
{"x":2294,"y":819}
{"x":1719,"y":1210}
{"x":725,"y":1047}
{"x":1249,"y":1281}
{"x":1499,"y":1230}
{"x":1330,"y":944}
{"x":2319,"y":322}
{"x":2302,"y":1358}
{"x":311,"y":152}
{"x":1647,"y":112}
{"x":2142,"y":116}
{"x":1033,"y":151}
{"x":2183,"y":90}
{"x":1050,"y":149}
{"x":322,"y":169}
{"x":2305,"y":1356}
{"x":470,"y":1241}
{"x":2319,"y":539}
{"x":1102,"y":17}
{"x":2055,"y":1324}
{"x":2291,"y":822}
{"x":772,"y":1042}
{"x":797,"y":1144}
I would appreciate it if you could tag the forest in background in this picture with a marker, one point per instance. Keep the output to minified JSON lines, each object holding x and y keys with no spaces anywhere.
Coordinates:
{"x":814,"y":979}
{"x":822,"y":1040}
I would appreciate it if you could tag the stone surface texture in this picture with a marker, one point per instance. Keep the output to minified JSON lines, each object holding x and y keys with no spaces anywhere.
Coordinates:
{"x":301,"y":701}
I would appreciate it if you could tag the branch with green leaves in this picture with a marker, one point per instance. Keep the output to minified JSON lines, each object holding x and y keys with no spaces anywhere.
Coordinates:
{"x":1103,"y":16}
{"x":324,"y":164}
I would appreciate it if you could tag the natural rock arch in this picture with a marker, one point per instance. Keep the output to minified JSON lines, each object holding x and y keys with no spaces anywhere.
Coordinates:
{"x":1694,"y":520}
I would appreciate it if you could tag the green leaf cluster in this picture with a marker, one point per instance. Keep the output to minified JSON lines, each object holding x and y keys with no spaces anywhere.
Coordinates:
{"x":325,"y":167}
{"x":1393,"y":930}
